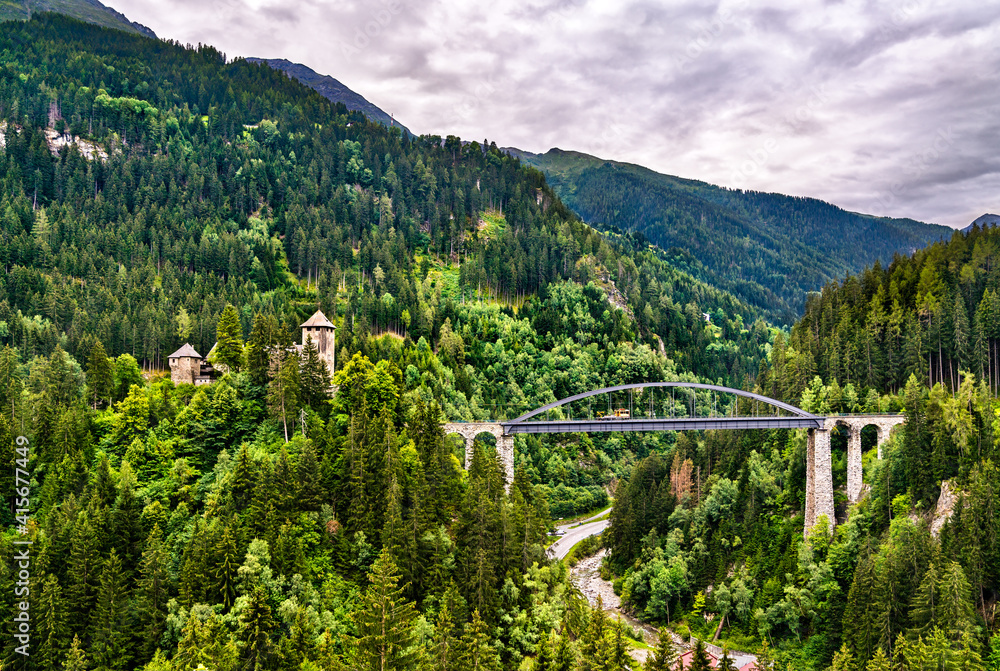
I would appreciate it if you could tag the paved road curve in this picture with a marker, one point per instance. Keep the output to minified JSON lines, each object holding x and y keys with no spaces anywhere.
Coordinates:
{"x":575,"y":534}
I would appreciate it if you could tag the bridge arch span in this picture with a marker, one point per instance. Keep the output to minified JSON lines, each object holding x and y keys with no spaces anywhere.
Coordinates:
{"x":797,"y":412}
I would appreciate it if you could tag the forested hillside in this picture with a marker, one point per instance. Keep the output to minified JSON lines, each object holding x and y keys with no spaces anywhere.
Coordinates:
{"x":332,"y":90}
{"x":92,"y":11}
{"x":710,"y":534}
{"x":768,"y":249}
{"x":145,"y":188}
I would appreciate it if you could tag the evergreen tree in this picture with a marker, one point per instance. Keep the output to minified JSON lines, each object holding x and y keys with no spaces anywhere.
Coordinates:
{"x":843,"y":660}
{"x":153,"y":592}
{"x":110,"y":647}
{"x":100,"y":376}
{"x":76,"y":658}
{"x":726,"y":663}
{"x":665,"y":657}
{"x":700,"y":660}
{"x":226,"y":569}
{"x":283,"y":390}
{"x":315,"y":378}
{"x":229,"y":343}
{"x":475,"y":652}
{"x":384,"y":621}
{"x":443,"y":647}
{"x":259,"y":349}
{"x":256,"y":625}
{"x":53,"y":632}
{"x":879,"y":662}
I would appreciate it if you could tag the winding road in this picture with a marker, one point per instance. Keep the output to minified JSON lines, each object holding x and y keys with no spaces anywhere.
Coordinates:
{"x":575,"y":532}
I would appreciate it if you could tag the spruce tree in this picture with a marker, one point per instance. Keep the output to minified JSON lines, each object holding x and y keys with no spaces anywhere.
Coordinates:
{"x":76,"y":658}
{"x":442,"y":653}
{"x":315,"y":378}
{"x":475,"y":651}
{"x":700,"y":660}
{"x":259,"y":349}
{"x":226,"y":568}
{"x":879,"y":662}
{"x":664,"y":658}
{"x":283,"y":390}
{"x":256,"y":625}
{"x":100,"y":376}
{"x":153,"y":591}
{"x":83,"y":574}
{"x":53,"y":631}
{"x":384,"y":621}
{"x":229,"y":339}
{"x":843,"y":660}
{"x":110,"y":647}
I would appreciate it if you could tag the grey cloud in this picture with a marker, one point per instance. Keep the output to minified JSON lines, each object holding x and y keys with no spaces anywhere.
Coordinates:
{"x":690,"y":88}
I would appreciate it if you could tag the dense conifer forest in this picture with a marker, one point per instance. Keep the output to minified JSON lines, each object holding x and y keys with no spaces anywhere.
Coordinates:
{"x":153,"y":194}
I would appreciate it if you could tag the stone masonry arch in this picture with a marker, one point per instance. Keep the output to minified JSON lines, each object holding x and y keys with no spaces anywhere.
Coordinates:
{"x":819,"y":473}
{"x":505,"y":444}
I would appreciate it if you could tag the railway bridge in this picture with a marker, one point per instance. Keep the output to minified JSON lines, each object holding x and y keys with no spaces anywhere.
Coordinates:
{"x":689,"y":406}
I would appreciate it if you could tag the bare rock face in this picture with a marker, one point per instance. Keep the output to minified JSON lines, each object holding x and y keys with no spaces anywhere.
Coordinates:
{"x":945,"y":507}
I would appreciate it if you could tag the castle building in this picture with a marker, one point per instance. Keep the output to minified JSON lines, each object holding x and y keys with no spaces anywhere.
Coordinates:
{"x":189,"y":367}
{"x":324,"y":337}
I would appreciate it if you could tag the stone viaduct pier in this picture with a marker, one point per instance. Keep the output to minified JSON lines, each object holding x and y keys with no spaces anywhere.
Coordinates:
{"x":819,"y":470}
{"x":505,"y":443}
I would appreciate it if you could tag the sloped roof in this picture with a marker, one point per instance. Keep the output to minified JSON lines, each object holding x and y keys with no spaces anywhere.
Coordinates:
{"x":187,"y":350}
{"x":318,"y":320}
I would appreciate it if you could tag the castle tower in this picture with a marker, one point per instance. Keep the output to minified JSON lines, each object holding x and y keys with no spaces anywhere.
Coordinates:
{"x":323,"y":334}
{"x":185,"y":365}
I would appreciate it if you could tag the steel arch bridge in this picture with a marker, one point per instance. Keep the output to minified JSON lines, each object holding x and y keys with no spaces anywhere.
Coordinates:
{"x":796,"y":418}
{"x":819,"y":474}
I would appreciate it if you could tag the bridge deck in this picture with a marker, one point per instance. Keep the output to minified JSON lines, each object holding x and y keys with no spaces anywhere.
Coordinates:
{"x":678,"y":424}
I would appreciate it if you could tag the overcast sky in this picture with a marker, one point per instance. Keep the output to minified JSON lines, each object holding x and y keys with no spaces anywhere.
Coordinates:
{"x":891,"y":107}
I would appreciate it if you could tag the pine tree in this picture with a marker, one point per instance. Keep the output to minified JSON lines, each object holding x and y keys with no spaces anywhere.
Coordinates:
{"x":100,"y":376}
{"x":384,"y":621}
{"x":545,"y":656}
{"x":229,"y":343}
{"x":110,"y":647}
{"x":475,"y":652}
{"x":927,"y":600}
{"x":956,"y":613}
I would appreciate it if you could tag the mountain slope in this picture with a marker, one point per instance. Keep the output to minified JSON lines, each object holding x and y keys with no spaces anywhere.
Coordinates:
{"x":332,"y":90}
{"x":90,"y":11}
{"x":767,"y":249}
{"x":983,"y":221}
